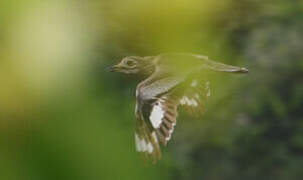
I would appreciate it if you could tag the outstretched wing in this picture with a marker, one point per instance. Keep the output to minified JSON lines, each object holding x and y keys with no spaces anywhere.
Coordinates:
{"x":155,"y":123}
{"x":146,"y":139}
{"x":159,"y":95}
{"x":156,"y":117}
{"x":194,"y":67}
{"x":163,"y":116}
{"x":196,"y":96}
{"x":156,"y":112}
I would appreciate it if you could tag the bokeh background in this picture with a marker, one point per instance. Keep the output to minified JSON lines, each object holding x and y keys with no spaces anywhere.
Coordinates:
{"x":63,"y":116}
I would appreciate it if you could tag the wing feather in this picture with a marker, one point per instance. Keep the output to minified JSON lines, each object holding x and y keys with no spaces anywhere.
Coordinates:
{"x":156,"y":118}
{"x":196,"y":97}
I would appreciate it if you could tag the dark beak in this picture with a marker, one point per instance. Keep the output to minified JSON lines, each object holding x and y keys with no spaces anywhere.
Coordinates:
{"x":114,"y":68}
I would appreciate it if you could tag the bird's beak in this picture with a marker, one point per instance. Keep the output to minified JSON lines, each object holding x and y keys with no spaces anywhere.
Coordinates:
{"x":114,"y":68}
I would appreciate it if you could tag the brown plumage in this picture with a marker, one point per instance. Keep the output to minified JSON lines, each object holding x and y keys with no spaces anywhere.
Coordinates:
{"x":170,"y":80}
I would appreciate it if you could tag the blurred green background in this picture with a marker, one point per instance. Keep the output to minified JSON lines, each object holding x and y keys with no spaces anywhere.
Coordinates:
{"x":63,"y":116}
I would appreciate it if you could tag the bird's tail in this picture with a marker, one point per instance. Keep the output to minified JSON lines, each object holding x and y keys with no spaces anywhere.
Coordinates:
{"x":217,"y":66}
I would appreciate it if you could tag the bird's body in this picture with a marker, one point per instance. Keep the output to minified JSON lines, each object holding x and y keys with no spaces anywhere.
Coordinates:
{"x":170,"y":80}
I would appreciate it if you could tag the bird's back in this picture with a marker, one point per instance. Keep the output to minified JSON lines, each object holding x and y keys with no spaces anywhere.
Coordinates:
{"x":178,"y":63}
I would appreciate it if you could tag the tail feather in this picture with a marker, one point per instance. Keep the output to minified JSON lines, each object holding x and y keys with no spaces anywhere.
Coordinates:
{"x":217,"y":66}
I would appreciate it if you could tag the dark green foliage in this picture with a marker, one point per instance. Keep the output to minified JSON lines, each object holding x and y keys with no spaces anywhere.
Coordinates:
{"x":63,"y":116}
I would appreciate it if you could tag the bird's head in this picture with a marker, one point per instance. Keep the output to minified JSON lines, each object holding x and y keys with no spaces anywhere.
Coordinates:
{"x":134,"y":65}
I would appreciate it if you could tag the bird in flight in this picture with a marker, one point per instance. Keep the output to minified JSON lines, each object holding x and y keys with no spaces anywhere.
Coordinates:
{"x":169,"y":80}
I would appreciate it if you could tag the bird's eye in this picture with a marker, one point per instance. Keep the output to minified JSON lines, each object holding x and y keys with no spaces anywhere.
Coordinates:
{"x":130,"y":63}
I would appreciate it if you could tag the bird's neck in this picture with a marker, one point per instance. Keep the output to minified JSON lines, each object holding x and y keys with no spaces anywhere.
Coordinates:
{"x":149,"y":67}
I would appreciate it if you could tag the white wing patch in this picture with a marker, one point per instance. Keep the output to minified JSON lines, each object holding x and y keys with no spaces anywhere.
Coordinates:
{"x":208,"y":90}
{"x":142,"y":145}
{"x":194,"y":83}
{"x":188,"y":101}
{"x":170,"y":132}
{"x":156,"y":115}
